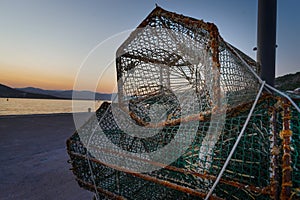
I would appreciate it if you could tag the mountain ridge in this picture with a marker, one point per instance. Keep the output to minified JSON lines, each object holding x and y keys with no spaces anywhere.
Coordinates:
{"x":288,"y":81}
{"x":283,"y":83}
{"x":69,"y":94}
{"x":8,"y":92}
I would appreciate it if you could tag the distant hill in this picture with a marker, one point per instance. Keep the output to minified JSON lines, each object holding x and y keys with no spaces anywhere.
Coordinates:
{"x":283,"y":83}
{"x":67,"y":94}
{"x":288,"y":82}
{"x":8,"y":92}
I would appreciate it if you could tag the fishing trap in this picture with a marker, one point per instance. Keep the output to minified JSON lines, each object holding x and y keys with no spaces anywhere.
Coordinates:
{"x":191,"y":120}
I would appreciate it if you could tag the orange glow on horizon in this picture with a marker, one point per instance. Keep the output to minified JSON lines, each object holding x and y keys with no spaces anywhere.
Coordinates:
{"x":18,"y":83}
{"x":18,"y":77}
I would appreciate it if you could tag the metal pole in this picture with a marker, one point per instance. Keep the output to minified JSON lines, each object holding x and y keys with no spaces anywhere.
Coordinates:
{"x":266,"y":39}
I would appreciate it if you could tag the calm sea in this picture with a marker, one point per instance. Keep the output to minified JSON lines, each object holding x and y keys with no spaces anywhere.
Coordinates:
{"x":18,"y":106}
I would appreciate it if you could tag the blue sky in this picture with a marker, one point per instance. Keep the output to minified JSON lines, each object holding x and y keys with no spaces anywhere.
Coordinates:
{"x":43,"y":42}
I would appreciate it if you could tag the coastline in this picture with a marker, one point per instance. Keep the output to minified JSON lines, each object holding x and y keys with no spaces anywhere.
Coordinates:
{"x":34,"y":115}
{"x":34,"y":157}
{"x":40,"y":115}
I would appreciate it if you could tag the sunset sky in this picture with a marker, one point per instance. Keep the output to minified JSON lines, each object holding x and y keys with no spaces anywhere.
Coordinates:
{"x":45,"y":42}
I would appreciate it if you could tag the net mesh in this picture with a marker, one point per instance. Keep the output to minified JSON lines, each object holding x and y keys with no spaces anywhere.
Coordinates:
{"x":176,"y":76}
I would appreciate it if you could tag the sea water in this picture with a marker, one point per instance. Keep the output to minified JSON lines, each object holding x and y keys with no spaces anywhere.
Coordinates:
{"x":22,"y":106}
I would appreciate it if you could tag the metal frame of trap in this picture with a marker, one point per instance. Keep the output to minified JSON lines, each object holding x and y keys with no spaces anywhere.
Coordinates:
{"x":274,"y":113}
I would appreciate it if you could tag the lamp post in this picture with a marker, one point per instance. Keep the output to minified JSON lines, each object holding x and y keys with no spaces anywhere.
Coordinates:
{"x":266,"y":39}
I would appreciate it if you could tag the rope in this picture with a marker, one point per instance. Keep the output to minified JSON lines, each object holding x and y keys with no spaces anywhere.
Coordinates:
{"x":286,"y":96}
{"x":260,"y":80}
{"x":244,"y":62}
{"x":88,"y":155}
{"x":236,"y":143}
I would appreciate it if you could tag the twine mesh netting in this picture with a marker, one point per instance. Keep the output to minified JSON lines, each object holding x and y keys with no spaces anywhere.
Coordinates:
{"x":186,"y":92}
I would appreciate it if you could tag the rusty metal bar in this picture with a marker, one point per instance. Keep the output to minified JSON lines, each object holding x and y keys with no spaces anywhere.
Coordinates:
{"x":148,"y":178}
{"x":285,"y":135}
{"x":274,"y":156}
{"x":214,"y":45}
{"x":233,"y":183}
{"x":202,"y":116}
{"x":91,"y":188}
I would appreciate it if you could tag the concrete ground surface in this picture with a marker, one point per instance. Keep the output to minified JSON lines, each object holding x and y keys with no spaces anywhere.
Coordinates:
{"x":33,"y":158}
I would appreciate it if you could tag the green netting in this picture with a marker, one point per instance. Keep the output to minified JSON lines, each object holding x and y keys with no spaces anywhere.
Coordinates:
{"x":181,"y":85}
{"x":295,"y":143}
{"x":249,"y":168}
